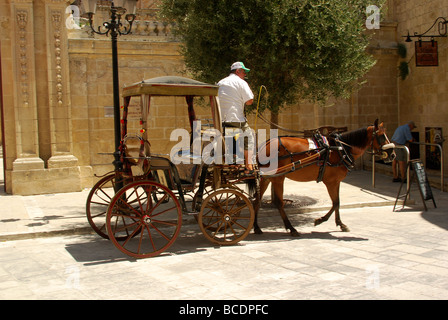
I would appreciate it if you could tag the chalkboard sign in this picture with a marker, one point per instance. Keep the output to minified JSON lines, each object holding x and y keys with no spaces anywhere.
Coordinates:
{"x":422,"y":180}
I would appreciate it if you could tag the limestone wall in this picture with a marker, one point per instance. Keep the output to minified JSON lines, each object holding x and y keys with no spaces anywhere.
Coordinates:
{"x":91,"y":88}
{"x":57,"y":90}
{"x":423,"y":95}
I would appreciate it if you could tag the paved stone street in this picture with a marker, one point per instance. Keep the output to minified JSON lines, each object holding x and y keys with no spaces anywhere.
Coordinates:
{"x":388,"y":255}
{"x":48,"y":251}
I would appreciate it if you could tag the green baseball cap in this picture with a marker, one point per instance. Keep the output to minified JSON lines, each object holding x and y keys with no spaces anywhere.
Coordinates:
{"x":239,"y":65}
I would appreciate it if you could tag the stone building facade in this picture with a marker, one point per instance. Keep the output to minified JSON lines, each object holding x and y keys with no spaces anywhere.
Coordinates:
{"x":56,"y":89}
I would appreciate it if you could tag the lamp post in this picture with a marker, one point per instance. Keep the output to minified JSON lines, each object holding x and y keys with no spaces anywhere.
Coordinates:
{"x":114,"y":27}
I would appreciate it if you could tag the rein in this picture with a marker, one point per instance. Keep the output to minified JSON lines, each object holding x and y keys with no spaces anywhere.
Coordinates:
{"x":342,"y":142}
{"x":279,"y":127}
{"x":291,"y":167}
{"x":322,"y":152}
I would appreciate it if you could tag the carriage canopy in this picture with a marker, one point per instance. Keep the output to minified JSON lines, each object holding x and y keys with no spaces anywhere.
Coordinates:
{"x":175,"y":86}
{"x":170,"y":86}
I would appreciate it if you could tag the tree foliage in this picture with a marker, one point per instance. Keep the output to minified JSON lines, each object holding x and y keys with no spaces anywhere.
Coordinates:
{"x":309,"y":49}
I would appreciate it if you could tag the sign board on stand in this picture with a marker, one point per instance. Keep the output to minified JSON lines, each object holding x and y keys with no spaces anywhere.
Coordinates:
{"x":419,"y":174}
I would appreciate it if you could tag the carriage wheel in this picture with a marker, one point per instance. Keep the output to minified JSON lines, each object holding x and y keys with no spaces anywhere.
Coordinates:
{"x":226,"y":217}
{"x":98,"y":201}
{"x":140,"y":226}
{"x":208,"y":190}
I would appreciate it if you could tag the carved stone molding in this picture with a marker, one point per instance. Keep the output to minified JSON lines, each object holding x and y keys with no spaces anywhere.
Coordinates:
{"x":56,"y":19}
{"x":22,"y":22}
{"x":59,"y":101}
{"x":25,"y":106}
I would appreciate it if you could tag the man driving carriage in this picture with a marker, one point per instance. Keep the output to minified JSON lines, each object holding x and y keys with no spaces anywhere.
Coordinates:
{"x":234,"y":94}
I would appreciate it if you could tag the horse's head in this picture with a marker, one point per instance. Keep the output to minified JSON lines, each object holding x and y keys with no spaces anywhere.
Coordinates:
{"x":381,"y":146}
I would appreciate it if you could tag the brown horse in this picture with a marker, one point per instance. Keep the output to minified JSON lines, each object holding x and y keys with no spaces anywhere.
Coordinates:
{"x":328,"y":163}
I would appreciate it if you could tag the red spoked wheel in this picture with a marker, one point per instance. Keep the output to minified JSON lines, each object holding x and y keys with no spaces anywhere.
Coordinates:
{"x":98,"y":201}
{"x":141,"y":225}
{"x":226,"y":217}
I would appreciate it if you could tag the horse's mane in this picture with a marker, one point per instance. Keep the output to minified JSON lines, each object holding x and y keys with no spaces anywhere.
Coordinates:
{"x":357,"y":138}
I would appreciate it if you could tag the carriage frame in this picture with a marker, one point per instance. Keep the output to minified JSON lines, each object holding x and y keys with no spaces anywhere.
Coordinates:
{"x":140,"y":206}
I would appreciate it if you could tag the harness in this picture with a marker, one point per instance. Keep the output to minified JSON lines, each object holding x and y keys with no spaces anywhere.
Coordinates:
{"x":345,"y":156}
{"x":320,"y":157}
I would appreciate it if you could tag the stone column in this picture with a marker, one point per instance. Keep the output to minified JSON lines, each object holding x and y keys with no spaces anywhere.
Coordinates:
{"x":44,"y":160}
{"x":25,"y":106}
{"x":58,"y":87}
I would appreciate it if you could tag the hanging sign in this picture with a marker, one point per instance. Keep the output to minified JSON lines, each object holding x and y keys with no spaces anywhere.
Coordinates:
{"x":426,"y":54}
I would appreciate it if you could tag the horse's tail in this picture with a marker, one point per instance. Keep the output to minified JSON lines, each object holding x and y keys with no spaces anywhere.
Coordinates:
{"x":252,"y":186}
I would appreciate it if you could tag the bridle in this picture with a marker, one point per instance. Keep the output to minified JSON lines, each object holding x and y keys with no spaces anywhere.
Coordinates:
{"x":386,"y":148}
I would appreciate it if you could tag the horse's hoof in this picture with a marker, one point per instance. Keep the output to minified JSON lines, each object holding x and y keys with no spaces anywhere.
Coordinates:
{"x":295,"y":234}
{"x":258,"y":231}
{"x":345,"y":228}
{"x":317,"y":222}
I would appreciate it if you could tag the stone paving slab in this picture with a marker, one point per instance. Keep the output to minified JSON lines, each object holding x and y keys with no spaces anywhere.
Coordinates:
{"x":387,"y":255}
{"x":401,"y":255}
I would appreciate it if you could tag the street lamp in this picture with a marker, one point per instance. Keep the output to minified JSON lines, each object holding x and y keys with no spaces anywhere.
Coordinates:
{"x":114,"y":27}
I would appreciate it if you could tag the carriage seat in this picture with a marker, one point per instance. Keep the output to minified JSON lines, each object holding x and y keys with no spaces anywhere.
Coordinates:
{"x":189,"y":167}
{"x":167,"y":173}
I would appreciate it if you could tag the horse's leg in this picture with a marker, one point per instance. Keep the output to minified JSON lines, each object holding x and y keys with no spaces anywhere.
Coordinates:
{"x":344,"y":228}
{"x":278,"y":201}
{"x":325,"y":217}
{"x":334,"y":194}
{"x":333,"y":191}
{"x":264,"y":183}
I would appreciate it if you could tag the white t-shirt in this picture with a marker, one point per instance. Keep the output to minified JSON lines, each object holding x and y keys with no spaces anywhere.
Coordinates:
{"x":233,"y":93}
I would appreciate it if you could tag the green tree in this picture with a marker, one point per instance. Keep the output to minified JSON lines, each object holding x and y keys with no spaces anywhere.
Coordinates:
{"x":309,"y":49}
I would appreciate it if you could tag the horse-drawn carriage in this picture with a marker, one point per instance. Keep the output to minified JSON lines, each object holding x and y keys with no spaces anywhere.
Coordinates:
{"x":140,"y":206}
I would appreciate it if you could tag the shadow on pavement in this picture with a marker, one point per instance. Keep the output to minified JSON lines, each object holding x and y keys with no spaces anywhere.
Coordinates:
{"x":93,"y":250}
{"x":437,"y":218}
{"x":330,"y":236}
